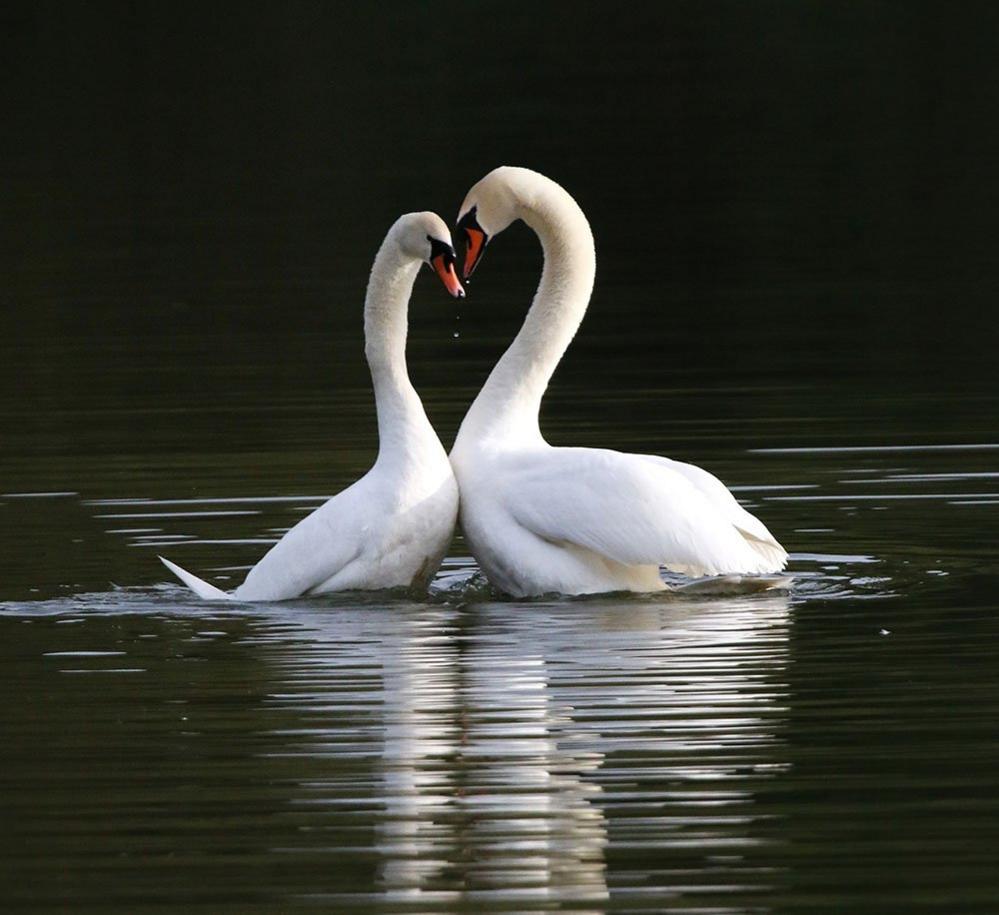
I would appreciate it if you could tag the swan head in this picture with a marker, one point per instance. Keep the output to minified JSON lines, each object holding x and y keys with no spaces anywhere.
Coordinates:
{"x":491,"y":206}
{"x":425,"y":237}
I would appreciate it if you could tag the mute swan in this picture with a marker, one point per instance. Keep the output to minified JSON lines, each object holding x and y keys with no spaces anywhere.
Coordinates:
{"x":540,"y":519}
{"x":392,"y":527}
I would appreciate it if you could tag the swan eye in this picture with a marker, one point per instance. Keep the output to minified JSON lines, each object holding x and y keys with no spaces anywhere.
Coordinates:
{"x":470,"y":221}
{"x":441,"y":249}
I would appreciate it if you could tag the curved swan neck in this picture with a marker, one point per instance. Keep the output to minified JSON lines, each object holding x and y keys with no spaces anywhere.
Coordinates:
{"x":510,"y":400}
{"x":386,"y":314}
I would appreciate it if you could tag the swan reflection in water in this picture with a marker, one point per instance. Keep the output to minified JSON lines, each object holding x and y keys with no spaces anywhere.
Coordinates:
{"x":483,"y":789}
{"x":509,"y":732}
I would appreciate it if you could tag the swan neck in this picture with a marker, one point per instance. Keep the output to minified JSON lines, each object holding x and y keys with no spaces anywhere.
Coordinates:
{"x":386,"y":314}
{"x":510,"y":400}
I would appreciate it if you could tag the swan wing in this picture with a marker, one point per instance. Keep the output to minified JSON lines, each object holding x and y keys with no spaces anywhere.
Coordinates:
{"x":718,"y":494}
{"x":630,"y":509}
{"x":314,"y":550}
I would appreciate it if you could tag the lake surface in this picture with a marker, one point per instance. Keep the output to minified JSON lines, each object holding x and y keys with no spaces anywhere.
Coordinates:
{"x":827,"y":747}
{"x":797,"y":287}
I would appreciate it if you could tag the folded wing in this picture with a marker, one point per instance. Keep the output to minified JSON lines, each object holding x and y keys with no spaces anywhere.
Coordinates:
{"x":312,"y":552}
{"x":717,"y":493}
{"x":639,"y":510}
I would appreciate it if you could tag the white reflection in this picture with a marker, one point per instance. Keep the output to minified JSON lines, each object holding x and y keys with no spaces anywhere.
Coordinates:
{"x":417,"y":833}
{"x":535,"y":824}
{"x":505,"y":742}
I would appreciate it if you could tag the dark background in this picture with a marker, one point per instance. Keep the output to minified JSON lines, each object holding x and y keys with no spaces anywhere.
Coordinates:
{"x":795,"y":207}
{"x":782,"y":192}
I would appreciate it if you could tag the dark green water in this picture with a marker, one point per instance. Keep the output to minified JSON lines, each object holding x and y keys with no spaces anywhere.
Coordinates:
{"x":795,"y":209}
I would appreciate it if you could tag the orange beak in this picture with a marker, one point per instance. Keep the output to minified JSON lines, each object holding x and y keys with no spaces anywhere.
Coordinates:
{"x":444,"y":268}
{"x":473,"y":250}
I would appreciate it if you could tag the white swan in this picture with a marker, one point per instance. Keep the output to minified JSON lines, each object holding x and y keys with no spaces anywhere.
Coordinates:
{"x":392,"y":527}
{"x":540,"y":519}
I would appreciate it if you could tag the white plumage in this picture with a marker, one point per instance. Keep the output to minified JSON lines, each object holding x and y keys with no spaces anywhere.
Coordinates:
{"x":541,"y":519}
{"x":392,"y":527}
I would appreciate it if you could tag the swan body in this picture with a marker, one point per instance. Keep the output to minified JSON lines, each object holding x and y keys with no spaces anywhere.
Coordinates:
{"x":541,"y":519}
{"x":392,"y":527}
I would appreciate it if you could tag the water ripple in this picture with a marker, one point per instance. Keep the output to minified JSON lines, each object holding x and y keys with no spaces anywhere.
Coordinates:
{"x":713,"y":748}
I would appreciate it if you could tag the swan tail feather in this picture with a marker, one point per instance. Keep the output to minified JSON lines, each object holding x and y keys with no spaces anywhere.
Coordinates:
{"x":772,"y":555}
{"x":204,"y":590}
